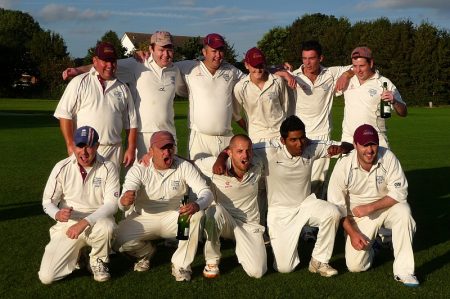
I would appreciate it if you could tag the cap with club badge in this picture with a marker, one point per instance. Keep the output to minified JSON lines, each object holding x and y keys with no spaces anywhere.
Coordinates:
{"x":365,"y":135}
{"x":85,"y":136}
{"x":255,"y":57}
{"x":106,"y":52}
{"x":214,"y":40}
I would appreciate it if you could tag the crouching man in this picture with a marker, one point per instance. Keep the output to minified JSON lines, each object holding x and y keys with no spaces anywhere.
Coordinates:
{"x":235,"y":214}
{"x":370,"y":189}
{"x":156,"y":191}
{"x":81,"y":195}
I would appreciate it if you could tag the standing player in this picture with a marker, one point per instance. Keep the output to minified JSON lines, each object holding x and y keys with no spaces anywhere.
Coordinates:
{"x":235,"y":213}
{"x":362,"y":97}
{"x":101,"y":101}
{"x":81,"y":195}
{"x":210,"y":85}
{"x":314,"y":98}
{"x":153,"y":85}
{"x":370,"y":189}
{"x":156,"y":192}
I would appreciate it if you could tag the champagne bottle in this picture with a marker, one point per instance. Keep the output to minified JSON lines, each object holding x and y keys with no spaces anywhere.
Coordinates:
{"x":385,"y":107}
{"x":183,"y":223}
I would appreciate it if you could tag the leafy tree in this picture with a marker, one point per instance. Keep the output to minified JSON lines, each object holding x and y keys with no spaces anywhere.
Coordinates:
{"x":112,"y":38}
{"x":191,"y":49}
{"x":273,"y":45}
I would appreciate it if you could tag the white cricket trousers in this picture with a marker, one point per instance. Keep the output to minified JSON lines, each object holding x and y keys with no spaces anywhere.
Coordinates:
{"x":113,"y":153}
{"x":135,"y":233}
{"x":61,"y":253}
{"x":202,"y":145}
{"x":319,"y":171}
{"x":285,"y":225}
{"x":399,"y":219}
{"x":250,"y":248}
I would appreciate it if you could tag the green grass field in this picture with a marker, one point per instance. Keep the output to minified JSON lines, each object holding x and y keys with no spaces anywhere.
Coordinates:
{"x":31,"y":143}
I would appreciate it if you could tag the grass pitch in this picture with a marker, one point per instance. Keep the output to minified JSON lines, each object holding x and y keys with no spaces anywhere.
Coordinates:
{"x":31,"y":143}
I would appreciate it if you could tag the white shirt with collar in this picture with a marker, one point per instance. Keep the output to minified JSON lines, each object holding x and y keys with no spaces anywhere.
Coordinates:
{"x":162,"y":190}
{"x":153,"y":89}
{"x":314,"y":100}
{"x":351,"y":186}
{"x":108,"y":111}
{"x":210,"y":96}
{"x":239,"y":198}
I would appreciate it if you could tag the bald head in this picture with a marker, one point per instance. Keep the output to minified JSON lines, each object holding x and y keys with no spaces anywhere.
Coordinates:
{"x":239,"y":138}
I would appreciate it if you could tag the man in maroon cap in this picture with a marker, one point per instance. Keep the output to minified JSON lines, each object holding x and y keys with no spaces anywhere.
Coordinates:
{"x":153,"y":193}
{"x":370,"y":189}
{"x":210,"y":84}
{"x":99,"y":100}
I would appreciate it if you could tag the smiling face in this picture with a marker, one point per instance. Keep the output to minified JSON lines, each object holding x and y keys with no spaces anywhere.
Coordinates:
{"x":295,"y":142}
{"x":163,"y":56}
{"x":366,"y":154}
{"x":86,"y":154}
{"x":256,"y":73}
{"x":241,"y":153}
{"x":163,"y":157}
{"x":213,"y":57}
{"x":363,"y":68}
{"x":105,"y":69}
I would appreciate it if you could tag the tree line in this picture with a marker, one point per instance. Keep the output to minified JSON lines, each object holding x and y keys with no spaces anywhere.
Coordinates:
{"x":415,"y":58}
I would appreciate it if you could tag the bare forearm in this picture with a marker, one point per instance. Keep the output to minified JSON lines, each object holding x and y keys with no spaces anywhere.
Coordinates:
{"x":66,"y":126}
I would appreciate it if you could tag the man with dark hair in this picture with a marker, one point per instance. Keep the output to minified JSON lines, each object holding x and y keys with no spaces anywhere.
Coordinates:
{"x":370,"y":189}
{"x":290,"y":202}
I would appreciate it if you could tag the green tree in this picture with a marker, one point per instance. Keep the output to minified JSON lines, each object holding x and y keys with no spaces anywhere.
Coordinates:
{"x":273,"y":45}
{"x":191,"y":49}
{"x":111,"y":37}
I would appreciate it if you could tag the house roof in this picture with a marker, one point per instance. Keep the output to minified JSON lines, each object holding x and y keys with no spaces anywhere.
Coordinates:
{"x":138,"y":38}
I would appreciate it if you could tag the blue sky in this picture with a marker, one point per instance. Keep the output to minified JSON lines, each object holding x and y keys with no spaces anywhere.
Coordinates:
{"x":243,"y":23}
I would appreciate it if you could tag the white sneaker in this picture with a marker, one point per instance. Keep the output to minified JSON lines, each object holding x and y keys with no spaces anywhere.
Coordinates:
{"x":181,"y":274}
{"x":100,"y":271}
{"x":408,"y":280}
{"x":142,"y":265}
{"x":324,"y":269}
{"x":211,"y":271}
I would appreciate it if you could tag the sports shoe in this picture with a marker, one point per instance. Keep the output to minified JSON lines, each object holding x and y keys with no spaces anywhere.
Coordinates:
{"x":181,"y":274}
{"x":100,"y":271}
{"x":323,"y":269}
{"x":408,"y":280}
{"x":142,"y":265}
{"x":211,"y":271}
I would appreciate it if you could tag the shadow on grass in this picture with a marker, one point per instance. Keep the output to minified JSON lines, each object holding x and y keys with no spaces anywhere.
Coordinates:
{"x":20,"y":210}
{"x":14,"y":119}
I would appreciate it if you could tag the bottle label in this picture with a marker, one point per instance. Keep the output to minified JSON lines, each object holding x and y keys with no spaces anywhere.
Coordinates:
{"x":387,"y":108}
{"x":186,"y":231}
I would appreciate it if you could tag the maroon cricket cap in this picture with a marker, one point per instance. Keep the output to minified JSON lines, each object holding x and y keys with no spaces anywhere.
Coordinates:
{"x":255,"y":57}
{"x":161,"y":138}
{"x":366,"y":134}
{"x":363,"y":52}
{"x":106,"y":52}
{"x":214,"y":40}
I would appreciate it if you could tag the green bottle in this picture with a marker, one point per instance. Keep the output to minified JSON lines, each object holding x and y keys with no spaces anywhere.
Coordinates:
{"x":385,"y":107}
{"x":183,"y":223}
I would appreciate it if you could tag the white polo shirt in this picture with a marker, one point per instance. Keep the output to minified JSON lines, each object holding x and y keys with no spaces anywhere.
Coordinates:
{"x":362,"y":105}
{"x":153,"y":89}
{"x":351,"y":184}
{"x":108,"y":112}
{"x":162,"y":190}
{"x":210,"y":96}
{"x":289,"y":178}
{"x":92,"y":199}
{"x":314,"y":100}
{"x":239,"y":198}
{"x":266,"y":108}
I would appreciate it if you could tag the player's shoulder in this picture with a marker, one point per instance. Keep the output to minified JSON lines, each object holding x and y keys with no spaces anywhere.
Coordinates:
{"x":186,"y":66}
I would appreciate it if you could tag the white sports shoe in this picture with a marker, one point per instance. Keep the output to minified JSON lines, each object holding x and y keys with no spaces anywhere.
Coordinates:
{"x":211,"y":271}
{"x":100,"y":271}
{"x":324,"y":269}
{"x":181,"y":274}
{"x":142,"y":265}
{"x":408,"y":280}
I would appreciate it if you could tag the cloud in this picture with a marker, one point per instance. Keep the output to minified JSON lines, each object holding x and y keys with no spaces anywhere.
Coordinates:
{"x":8,"y":4}
{"x":185,"y":2}
{"x":405,"y":4}
{"x":55,"y":12}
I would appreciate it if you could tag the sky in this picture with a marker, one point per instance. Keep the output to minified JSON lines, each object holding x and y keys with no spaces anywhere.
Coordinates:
{"x":243,"y":23}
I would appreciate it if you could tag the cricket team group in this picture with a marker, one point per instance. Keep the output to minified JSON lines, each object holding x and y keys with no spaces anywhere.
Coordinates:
{"x":266,"y":189}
